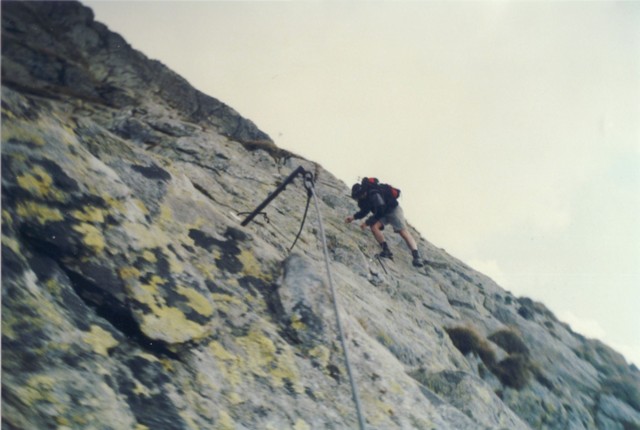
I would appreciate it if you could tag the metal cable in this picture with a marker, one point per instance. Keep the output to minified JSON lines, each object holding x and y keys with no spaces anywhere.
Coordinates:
{"x":308,"y":183}
{"x":304,"y":218}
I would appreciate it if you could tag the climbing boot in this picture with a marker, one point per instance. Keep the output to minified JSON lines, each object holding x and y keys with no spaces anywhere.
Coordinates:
{"x":417,"y":260}
{"x":386,"y":252}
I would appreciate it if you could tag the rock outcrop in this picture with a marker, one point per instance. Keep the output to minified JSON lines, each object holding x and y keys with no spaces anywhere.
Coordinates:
{"x":133,"y":299}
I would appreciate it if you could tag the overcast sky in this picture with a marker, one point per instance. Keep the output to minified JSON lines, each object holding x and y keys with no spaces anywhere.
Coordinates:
{"x":512,"y":128}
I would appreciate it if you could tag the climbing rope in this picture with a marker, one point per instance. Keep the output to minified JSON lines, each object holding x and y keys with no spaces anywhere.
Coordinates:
{"x":276,"y":229}
{"x":308,"y":183}
{"x":304,"y":218}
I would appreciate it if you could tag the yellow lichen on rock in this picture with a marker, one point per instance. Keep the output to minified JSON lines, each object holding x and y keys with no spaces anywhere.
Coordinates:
{"x":379,"y":412}
{"x":228,"y":363}
{"x":174,"y":263}
{"x":235,"y":398}
{"x":140,"y":205}
{"x":114,"y":203}
{"x":220,"y":352}
{"x":296,"y":322}
{"x":39,"y":183}
{"x":207,"y":269}
{"x":49,"y":314}
{"x":167,"y":365}
{"x":159,"y":320}
{"x":38,"y":211}
{"x":148,"y":357}
{"x":188,"y":420}
{"x":149,"y":256}
{"x":166,"y":215}
{"x":141,"y":390}
{"x":396,"y":388}
{"x":53,"y":286}
{"x":38,"y":388}
{"x":63,"y":422}
{"x":89,"y":214}
{"x":146,"y":237}
{"x":225,"y":302}
{"x":12,"y":244}
{"x":148,"y":293}
{"x":92,"y":237}
{"x":129,"y":272}
{"x":196,"y":301}
{"x":260,"y":352}
{"x":171,"y":325}
{"x":301,"y":425}
{"x":100,"y":340}
{"x":225,"y":422}
{"x":6,"y":217}
{"x":8,"y":113}
{"x":23,"y":132}
{"x":265,"y":360}
{"x":322,"y":354}
{"x":250,"y":265}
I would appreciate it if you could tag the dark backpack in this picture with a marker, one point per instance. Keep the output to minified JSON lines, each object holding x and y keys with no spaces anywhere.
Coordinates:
{"x":369,"y":183}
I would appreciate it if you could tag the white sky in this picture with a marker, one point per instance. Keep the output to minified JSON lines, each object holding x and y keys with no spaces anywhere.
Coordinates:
{"x":512,"y":128}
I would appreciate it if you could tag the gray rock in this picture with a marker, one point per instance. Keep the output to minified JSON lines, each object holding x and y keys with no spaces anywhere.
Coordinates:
{"x":133,"y":298}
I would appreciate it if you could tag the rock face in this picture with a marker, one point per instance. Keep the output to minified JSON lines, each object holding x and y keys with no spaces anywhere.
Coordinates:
{"x":133,"y":299}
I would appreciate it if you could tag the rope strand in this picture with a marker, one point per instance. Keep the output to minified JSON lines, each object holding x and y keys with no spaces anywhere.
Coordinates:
{"x":308,"y":183}
{"x":304,"y":218}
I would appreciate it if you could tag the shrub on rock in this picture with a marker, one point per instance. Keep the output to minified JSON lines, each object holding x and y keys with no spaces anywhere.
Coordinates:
{"x":514,"y":371}
{"x":510,"y":341}
{"x":468,"y":341}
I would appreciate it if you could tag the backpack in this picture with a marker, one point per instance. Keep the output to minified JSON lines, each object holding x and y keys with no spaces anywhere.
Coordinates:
{"x":373,"y":182}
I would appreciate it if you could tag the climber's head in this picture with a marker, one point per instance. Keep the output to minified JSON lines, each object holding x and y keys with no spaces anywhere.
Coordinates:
{"x":357,"y":191}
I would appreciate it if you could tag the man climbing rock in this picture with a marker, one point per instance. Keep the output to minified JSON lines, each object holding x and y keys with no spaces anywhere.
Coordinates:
{"x":382,"y":201}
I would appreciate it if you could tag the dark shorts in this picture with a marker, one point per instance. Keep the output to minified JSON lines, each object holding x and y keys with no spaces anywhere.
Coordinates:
{"x":395,"y":219}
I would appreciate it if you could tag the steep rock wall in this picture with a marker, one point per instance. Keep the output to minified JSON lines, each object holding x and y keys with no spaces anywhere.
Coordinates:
{"x":133,"y":298}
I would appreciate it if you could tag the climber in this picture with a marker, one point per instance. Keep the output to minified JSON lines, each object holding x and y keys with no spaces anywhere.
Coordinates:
{"x":382,"y":201}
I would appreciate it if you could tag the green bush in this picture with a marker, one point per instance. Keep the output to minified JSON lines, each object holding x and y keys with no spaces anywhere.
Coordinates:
{"x":468,"y":341}
{"x":510,"y":341}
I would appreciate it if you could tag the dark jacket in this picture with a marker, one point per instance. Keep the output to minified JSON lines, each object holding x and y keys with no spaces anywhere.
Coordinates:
{"x":379,"y":201}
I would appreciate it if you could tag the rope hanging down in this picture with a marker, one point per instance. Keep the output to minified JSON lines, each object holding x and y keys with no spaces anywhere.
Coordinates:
{"x":304,"y":218}
{"x":308,"y":184}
